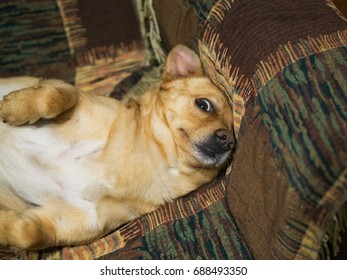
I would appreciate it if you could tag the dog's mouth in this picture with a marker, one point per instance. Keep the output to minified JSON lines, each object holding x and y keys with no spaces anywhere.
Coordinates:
{"x":215,"y":149}
{"x":210,"y":156}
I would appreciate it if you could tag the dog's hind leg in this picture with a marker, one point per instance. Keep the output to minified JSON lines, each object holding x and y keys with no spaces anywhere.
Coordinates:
{"x":25,"y":231}
{"x":9,"y":201}
{"x":46,"y":100}
{"x":54,"y":224}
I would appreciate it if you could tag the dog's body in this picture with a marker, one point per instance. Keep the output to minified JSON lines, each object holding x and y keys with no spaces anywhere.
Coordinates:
{"x":83,"y":165}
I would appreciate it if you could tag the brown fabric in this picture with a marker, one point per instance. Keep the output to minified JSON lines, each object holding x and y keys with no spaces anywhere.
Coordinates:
{"x":257,"y":193}
{"x":342,"y":6}
{"x":178,"y":21}
{"x":112,"y":17}
{"x":282,"y":64}
{"x":287,"y":179}
{"x":104,"y":42}
{"x":260,"y":26}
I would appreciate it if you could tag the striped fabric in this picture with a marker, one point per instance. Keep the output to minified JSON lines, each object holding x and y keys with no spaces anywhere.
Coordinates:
{"x":202,"y":7}
{"x":284,"y":69}
{"x":311,"y":138}
{"x":52,"y":39}
{"x":74,"y":29}
{"x":179,"y":21}
{"x":33,"y":39}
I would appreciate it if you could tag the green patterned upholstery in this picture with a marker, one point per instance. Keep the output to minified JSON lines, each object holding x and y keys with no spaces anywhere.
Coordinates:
{"x":283,"y":68}
{"x":81,"y":42}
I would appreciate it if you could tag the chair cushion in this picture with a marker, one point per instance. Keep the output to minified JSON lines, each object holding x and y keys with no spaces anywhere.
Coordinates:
{"x":81,"y":42}
{"x":180,"y":20}
{"x":283,"y":66}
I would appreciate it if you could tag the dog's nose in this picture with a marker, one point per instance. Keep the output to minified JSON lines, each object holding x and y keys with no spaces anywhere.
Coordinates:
{"x":225,"y":139}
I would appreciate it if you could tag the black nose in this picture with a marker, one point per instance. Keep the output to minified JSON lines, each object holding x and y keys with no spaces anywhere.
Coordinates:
{"x":225,"y":139}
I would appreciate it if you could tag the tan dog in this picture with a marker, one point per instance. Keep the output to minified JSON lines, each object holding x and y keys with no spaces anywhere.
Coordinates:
{"x":96,"y":164}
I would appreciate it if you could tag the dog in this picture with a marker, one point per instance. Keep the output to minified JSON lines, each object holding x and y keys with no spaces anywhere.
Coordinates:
{"x":75,"y":166}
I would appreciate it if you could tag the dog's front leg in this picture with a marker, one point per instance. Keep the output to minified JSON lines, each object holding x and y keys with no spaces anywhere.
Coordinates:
{"x":46,"y":100}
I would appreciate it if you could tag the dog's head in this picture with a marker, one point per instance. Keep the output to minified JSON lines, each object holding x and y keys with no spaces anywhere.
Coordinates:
{"x":199,"y":116}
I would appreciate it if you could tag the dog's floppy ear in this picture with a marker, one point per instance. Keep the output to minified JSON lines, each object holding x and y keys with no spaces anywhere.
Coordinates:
{"x":181,"y":62}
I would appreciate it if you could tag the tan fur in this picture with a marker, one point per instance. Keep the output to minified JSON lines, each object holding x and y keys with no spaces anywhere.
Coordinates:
{"x":148,"y":157}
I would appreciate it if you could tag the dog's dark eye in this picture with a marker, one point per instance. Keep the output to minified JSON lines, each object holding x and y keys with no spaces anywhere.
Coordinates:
{"x":204,"y":104}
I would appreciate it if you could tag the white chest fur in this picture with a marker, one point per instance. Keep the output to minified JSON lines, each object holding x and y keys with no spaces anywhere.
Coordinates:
{"x":37,"y":165}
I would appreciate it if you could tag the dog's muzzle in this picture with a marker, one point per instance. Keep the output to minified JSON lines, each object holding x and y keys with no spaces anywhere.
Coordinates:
{"x":217,"y":147}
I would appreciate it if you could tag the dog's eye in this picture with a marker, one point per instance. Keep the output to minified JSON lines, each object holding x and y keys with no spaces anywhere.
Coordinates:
{"x":204,"y":104}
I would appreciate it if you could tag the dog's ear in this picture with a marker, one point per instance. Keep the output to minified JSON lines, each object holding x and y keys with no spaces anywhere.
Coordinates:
{"x":181,"y":62}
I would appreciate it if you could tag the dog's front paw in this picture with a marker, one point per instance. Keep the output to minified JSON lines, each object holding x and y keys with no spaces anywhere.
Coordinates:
{"x":16,"y":108}
{"x":28,"y":105}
